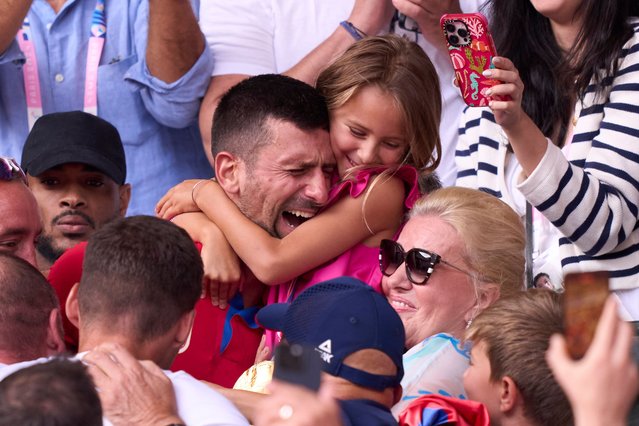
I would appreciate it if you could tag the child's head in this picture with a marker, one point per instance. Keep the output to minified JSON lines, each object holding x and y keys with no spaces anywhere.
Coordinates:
{"x":385,"y":104}
{"x":508,"y":371}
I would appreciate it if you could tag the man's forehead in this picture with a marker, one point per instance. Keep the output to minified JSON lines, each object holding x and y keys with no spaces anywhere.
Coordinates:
{"x":80,"y":167}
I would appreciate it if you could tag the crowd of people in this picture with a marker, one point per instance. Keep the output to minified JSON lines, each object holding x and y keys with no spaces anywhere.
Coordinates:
{"x":274,"y":212}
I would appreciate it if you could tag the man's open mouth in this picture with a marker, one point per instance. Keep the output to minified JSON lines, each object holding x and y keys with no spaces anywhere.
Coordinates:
{"x":295,"y":218}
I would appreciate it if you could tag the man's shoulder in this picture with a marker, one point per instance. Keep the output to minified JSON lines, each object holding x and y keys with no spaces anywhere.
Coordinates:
{"x":199,"y":404}
{"x":7,"y":369}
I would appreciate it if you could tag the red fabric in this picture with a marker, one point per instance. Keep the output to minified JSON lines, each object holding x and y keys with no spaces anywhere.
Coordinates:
{"x":430,"y":410}
{"x":202,"y":359}
{"x":64,"y":273}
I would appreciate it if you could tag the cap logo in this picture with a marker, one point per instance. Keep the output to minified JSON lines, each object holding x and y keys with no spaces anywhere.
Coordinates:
{"x":325,"y":351}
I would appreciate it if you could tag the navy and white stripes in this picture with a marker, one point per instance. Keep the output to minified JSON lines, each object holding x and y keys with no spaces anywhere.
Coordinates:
{"x":593,"y":198}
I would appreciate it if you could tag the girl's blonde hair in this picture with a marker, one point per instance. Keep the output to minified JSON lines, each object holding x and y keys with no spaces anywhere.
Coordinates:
{"x":400,"y":68}
{"x":492,"y":233}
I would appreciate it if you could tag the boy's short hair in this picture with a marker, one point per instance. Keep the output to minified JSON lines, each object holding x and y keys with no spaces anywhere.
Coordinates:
{"x":516,"y":331}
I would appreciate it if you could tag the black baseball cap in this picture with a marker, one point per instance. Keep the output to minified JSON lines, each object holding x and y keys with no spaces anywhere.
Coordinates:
{"x":74,"y":137}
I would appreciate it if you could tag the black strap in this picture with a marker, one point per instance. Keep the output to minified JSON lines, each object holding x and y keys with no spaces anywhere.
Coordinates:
{"x":529,"y":246}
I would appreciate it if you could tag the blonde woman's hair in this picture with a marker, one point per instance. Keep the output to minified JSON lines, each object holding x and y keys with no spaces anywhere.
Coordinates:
{"x":400,"y":68}
{"x":492,"y":234}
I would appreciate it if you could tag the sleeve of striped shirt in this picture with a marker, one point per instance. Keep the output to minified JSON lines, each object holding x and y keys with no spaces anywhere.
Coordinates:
{"x":593,"y":199}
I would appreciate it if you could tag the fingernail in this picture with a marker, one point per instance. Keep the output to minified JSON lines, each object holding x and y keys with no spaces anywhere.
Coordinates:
{"x":487,"y":73}
{"x":489,"y":92}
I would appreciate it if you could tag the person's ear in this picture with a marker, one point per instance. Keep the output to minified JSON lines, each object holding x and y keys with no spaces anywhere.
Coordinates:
{"x":228,"y":172}
{"x":125,"y":196}
{"x":508,"y":395}
{"x":183,"y":331}
{"x":488,"y":294}
{"x":397,"y":394}
{"x":71,"y":306}
{"x":55,"y":334}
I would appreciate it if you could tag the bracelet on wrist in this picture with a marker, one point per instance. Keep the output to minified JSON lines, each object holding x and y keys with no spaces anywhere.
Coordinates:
{"x":194,"y":188}
{"x":355,"y":32}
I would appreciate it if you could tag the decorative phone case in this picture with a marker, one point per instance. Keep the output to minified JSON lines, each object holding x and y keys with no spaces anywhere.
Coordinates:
{"x":471,"y":50}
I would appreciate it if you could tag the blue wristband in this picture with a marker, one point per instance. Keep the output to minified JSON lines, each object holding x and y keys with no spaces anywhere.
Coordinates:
{"x":355,"y":32}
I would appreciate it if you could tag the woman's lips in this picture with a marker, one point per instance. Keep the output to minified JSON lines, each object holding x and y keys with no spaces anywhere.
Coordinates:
{"x":401,"y":305}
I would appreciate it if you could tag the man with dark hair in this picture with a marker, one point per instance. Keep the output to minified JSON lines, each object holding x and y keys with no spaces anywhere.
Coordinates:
{"x":76,"y":169}
{"x":20,"y":223}
{"x":273,"y":159}
{"x":140,"y":281}
{"x":272,"y":152}
{"x":30,"y":324}
{"x":58,"y":392}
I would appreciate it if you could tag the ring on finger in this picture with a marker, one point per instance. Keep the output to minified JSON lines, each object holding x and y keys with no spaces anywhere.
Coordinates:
{"x":285,"y":412}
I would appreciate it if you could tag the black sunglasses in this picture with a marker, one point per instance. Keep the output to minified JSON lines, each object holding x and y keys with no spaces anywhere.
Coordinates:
{"x":10,"y":170}
{"x":420,"y":263}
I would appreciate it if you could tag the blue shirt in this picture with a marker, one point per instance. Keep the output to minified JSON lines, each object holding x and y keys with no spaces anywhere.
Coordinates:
{"x":156,"y":120}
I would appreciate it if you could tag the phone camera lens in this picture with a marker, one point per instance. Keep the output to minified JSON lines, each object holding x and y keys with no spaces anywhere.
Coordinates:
{"x":450,"y":28}
{"x":453,"y":40}
{"x":462,"y":33}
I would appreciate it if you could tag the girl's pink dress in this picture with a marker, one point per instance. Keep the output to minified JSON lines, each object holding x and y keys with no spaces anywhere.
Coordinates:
{"x":359,"y":261}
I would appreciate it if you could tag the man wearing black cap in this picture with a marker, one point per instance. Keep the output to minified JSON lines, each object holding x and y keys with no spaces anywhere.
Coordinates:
{"x":76,"y":168}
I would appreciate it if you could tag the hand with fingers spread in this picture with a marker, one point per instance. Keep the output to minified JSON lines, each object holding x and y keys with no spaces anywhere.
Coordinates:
{"x":180,"y":199}
{"x":132,"y":392}
{"x":602,"y":385}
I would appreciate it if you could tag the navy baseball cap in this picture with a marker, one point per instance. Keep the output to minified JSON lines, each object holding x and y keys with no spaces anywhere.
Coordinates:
{"x":74,"y":137}
{"x":338,"y":318}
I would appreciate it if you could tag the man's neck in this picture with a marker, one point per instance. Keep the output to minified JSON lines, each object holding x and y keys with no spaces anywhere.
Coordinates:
{"x":344,"y":390}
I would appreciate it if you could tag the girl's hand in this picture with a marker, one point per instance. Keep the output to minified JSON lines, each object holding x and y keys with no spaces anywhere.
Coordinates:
{"x":508,"y":112}
{"x":222,"y":271}
{"x":179,"y":199}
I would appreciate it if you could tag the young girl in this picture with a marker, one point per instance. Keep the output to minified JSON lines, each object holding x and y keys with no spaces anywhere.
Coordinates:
{"x":384,"y":103}
{"x":567,"y":141}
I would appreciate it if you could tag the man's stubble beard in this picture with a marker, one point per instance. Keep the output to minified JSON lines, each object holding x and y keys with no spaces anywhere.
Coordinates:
{"x":242,"y":205}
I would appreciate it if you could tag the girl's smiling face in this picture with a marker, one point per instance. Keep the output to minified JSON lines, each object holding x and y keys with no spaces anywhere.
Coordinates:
{"x":368,"y":129}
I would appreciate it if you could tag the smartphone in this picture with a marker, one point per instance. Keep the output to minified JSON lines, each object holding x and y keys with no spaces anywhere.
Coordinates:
{"x":297,"y":364}
{"x":584,"y":297}
{"x":471,"y":50}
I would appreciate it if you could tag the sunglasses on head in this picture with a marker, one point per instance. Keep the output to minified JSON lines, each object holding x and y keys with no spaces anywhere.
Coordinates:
{"x":420,"y":263}
{"x":10,"y":170}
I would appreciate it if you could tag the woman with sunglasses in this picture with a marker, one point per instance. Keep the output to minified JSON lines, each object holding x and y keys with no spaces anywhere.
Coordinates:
{"x":459,"y":252}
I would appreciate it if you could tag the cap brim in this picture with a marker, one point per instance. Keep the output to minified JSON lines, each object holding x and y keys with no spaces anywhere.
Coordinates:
{"x":272,"y":316}
{"x":75,"y":154}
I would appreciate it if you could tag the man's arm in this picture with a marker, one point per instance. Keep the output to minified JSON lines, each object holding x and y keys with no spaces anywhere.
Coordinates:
{"x":370,"y":16}
{"x":174,"y":41}
{"x":12,"y":13}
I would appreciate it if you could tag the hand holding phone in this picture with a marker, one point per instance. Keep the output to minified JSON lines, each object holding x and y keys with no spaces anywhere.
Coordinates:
{"x":471,"y":50}
{"x":584,"y":298}
{"x":297,"y":364}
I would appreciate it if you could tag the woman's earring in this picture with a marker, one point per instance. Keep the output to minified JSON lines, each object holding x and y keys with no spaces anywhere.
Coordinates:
{"x":468,"y":323}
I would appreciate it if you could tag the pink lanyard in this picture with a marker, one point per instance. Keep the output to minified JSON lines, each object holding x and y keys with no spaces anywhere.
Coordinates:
{"x":30,"y":69}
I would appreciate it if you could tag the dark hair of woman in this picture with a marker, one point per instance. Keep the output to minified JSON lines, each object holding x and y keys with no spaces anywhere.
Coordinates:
{"x":525,"y":36}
